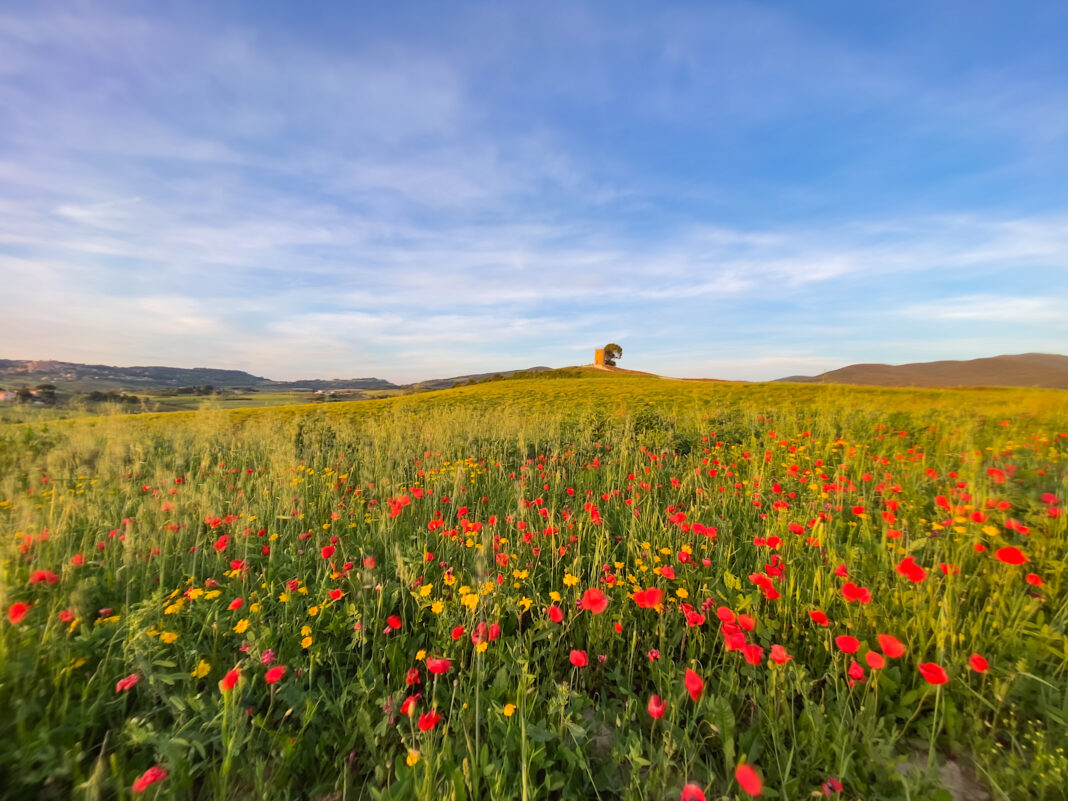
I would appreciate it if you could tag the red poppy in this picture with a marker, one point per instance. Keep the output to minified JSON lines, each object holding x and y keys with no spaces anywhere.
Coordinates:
{"x":408,"y":706}
{"x":656,"y":707}
{"x":335,"y":594}
{"x":458,"y":632}
{"x":17,"y":611}
{"x":67,"y":615}
{"x":875,"y":661}
{"x":127,"y":683}
{"x":652,"y":598}
{"x":328,"y":551}
{"x":411,"y":677}
{"x":753,"y":654}
{"x":891,"y":646}
{"x":854,"y":592}
{"x":436,"y":665}
{"x":746,"y":623}
{"x":819,"y":617}
{"x":428,"y":720}
{"x":275,"y":673}
{"x":229,"y":680}
{"x":579,"y":658}
{"x":668,"y":573}
{"x":148,"y":778}
{"x":594,"y":600}
{"x":748,"y":779}
{"x":237,"y":603}
{"x":908,"y":568}
{"x":1010,"y":555}
{"x":934,"y":674}
{"x":393,"y":622}
{"x":979,"y":665}
{"x":692,"y":792}
{"x":695,"y":685}
{"x":43,"y":577}
{"x":556,"y":614}
{"x":1033,"y":579}
{"x":779,"y":655}
{"x":856,"y":672}
{"x":369,"y":562}
{"x":847,"y":644}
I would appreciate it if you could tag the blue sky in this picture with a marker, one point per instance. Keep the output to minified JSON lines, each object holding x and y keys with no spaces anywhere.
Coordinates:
{"x":409,"y":190}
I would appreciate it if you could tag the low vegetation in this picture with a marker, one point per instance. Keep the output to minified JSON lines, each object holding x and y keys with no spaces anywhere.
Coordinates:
{"x":598,"y":586}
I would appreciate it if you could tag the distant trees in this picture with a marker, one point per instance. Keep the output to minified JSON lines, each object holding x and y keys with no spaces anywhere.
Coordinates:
{"x":612,"y":351}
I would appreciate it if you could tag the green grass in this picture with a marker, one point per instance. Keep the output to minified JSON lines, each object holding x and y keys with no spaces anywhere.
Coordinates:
{"x":566,"y":485}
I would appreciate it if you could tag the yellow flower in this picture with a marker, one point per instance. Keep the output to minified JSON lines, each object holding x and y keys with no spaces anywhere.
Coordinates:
{"x":488,"y":587}
{"x":570,"y":581}
{"x":449,"y":579}
{"x":420,"y":655}
{"x":168,"y":637}
{"x":482,"y":646}
{"x":306,"y":642}
{"x":412,"y":758}
{"x":425,"y":590}
{"x":242,"y":626}
{"x":254,"y":608}
{"x":525,"y":603}
{"x":555,"y":596}
{"x":437,"y":607}
{"x":202,"y":669}
{"x":173,"y":608}
{"x":509,"y":710}
{"x":195,"y":593}
{"x":211,"y":596}
{"x":991,"y":531}
{"x":313,"y":611}
{"x":682,"y":593}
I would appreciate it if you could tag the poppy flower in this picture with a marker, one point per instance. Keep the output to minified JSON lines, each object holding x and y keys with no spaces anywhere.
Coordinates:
{"x":579,"y":658}
{"x":411,"y":677}
{"x":408,"y":706}
{"x":748,"y":779}
{"x":275,"y":673}
{"x":847,"y":644}
{"x":237,"y":603}
{"x":934,"y":674}
{"x":335,"y":594}
{"x":891,"y":646}
{"x":908,"y":568}
{"x":856,"y":672}
{"x":148,"y":778}
{"x":127,"y":683}
{"x":394,"y":622}
{"x":438,"y":665}
{"x":819,"y":618}
{"x":656,"y":707}
{"x":229,"y":680}
{"x":556,"y":614}
{"x":779,"y":655}
{"x":695,"y":685}
{"x":1010,"y":555}
{"x":594,"y":600}
{"x":428,"y":720}
{"x":458,"y":632}
{"x":17,"y":611}
{"x":753,"y":654}
{"x":854,"y":592}
{"x":328,"y":551}
{"x":668,"y":573}
{"x":746,"y":623}
{"x":1033,"y":579}
{"x":652,"y":598}
{"x":875,"y":661}
{"x":692,"y":792}
{"x":979,"y":665}
{"x":369,"y":562}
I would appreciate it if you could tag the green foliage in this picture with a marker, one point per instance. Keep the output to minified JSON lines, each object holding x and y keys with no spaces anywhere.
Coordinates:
{"x":174,"y":516}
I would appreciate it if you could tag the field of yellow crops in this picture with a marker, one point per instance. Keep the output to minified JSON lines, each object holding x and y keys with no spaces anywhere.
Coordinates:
{"x":597,"y":587}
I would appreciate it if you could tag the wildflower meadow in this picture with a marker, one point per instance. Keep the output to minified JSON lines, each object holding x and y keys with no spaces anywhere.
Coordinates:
{"x":589,"y":587}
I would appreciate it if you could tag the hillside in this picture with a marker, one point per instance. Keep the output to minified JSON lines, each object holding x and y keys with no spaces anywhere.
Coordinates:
{"x":1023,"y":370}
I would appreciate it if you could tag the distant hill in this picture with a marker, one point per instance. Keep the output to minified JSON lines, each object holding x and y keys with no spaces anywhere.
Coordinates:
{"x":15,"y":372}
{"x":88,"y":377}
{"x":1024,"y":370}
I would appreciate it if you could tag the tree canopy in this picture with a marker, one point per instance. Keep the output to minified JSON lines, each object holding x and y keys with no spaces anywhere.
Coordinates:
{"x":612,"y":351}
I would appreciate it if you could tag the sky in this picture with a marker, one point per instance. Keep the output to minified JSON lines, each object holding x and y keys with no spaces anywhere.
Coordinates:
{"x":741,"y":190}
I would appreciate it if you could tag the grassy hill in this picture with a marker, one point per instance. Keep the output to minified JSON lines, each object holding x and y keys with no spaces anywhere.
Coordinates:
{"x":1023,"y":370}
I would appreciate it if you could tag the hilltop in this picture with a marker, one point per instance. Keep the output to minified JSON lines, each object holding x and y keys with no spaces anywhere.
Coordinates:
{"x":1047,"y":370}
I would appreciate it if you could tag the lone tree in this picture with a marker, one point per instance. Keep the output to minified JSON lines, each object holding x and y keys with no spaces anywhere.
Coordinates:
{"x":612,"y":351}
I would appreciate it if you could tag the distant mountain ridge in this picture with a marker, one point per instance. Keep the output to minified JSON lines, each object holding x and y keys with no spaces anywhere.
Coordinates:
{"x":26,"y":372}
{"x":1047,"y":370}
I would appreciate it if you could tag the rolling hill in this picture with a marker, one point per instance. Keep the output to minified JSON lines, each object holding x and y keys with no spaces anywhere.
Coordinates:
{"x":1048,"y":370}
